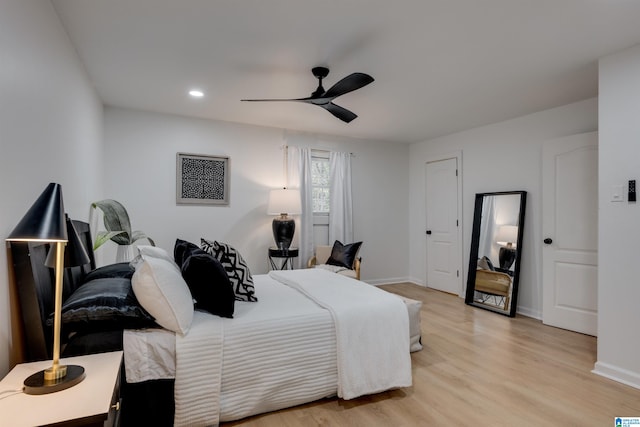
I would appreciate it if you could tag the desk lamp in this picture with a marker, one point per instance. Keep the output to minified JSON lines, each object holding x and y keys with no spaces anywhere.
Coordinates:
{"x":45,"y":222}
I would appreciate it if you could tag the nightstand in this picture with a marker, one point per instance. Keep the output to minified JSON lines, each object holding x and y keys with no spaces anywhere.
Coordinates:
{"x":93,"y":402}
{"x":287,"y":254}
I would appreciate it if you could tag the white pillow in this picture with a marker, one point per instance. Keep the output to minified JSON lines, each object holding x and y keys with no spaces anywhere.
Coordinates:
{"x":155,"y":252}
{"x":161,"y":290}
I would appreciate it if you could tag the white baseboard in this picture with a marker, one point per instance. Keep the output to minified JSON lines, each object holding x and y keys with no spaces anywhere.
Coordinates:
{"x":418,"y":282}
{"x":389,"y":281}
{"x":620,"y":375}
{"x":528,"y":312}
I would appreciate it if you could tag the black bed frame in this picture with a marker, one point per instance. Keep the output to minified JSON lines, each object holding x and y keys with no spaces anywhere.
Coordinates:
{"x":35,"y":285}
{"x":147,"y":403}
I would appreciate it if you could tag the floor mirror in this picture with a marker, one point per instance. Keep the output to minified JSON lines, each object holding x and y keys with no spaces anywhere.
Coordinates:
{"x":496,"y":247}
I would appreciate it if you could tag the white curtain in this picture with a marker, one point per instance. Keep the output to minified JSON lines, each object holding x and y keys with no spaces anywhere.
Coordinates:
{"x":340,"y":206}
{"x":487,"y":230}
{"x":299,"y":176}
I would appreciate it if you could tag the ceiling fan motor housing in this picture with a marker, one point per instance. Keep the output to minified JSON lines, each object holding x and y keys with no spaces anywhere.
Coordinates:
{"x":320,"y":72}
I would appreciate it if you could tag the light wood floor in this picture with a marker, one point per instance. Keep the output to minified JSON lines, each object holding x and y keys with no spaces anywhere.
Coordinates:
{"x":479,"y":368}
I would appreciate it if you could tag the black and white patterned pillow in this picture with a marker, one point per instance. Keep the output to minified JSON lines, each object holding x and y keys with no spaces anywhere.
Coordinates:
{"x":235,"y":266}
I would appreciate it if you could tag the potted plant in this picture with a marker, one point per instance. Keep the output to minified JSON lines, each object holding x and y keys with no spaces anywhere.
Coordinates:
{"x":118,"y":229}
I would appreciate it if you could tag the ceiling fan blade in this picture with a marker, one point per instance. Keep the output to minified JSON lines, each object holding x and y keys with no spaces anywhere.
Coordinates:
{"x":340,"y":112}
{"x":348,"y":84}
{"x":278,"y":100}
{"x":266,"y":100}
{"x":324,"y":98}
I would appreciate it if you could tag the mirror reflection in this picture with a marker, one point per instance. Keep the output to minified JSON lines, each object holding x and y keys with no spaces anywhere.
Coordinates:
{"x":495,"y":251}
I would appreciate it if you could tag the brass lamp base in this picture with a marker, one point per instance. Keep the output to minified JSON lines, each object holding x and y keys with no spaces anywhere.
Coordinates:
{"x":37,"y":384}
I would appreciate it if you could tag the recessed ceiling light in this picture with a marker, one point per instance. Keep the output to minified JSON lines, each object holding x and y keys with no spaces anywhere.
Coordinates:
{"x":196,"y":93}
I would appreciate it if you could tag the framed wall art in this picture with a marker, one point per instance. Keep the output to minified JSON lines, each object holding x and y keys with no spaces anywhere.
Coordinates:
{"x":202,"y":179}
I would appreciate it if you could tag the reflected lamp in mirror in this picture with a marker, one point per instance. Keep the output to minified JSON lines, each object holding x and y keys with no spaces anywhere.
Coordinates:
{"x":284,"y":202}
{"x":45,"y":222}
{"x":507,"y":237}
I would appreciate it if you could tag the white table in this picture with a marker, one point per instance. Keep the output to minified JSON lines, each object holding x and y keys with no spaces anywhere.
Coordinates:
{"x":94,"y":401}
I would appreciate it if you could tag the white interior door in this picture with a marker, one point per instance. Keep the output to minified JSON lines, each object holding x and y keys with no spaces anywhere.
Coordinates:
{"x":570,"y":232}
{"x":442,"y":226}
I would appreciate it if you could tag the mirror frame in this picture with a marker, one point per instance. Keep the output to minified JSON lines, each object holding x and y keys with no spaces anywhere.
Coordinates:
{"x":473,"y":257}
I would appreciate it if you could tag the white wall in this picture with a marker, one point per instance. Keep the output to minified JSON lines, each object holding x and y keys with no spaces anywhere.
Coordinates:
{"x":51,"y":131}
{"x":619,"y":229}
{"x":50,"y":128}
{"x":500,"y":157}
{"x":140,"y":157}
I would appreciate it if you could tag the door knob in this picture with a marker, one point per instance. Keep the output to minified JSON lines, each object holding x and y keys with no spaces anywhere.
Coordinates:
{"x":548,"y":241}
{"x":428,"y":231}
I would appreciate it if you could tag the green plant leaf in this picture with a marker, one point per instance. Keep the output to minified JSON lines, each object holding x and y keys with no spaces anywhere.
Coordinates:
{"x":104,"y":236}
{"x":137,"y":235}
{"x":118,"y":225}
{"x":116,"y":218}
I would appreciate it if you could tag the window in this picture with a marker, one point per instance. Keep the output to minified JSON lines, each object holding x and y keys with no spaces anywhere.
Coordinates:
{"x":320,"y":182}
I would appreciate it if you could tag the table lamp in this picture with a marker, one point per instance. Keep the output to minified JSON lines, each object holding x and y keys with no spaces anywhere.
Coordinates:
{"x":284,"y":202}
{"x":45,"y":222}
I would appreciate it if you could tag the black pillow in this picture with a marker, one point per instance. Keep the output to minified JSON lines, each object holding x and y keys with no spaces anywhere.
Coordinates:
{"x":103,"y":305}
{"x":183,"y":250}
{"x":209,"y":284}
{"x":344,"y":255}
{"x":121,"y":269}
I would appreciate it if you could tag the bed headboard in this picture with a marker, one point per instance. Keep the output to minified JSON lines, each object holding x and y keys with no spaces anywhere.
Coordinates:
{"x":35,"y":283}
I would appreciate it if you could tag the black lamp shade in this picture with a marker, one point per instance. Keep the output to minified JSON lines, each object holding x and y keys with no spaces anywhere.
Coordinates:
{"x":45,"y":220}
{"x":75,"y":253}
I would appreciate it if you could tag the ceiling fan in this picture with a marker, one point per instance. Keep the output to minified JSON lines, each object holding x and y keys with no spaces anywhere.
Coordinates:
{"x":324,"y":99}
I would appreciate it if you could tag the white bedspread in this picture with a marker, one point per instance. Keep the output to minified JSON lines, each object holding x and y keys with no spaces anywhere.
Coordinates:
{"x":149,"y":354}
{"x":199,"y":372}
{"x":278,"y":352}
{"x":364,"y":318}
{"x":282,"y":351}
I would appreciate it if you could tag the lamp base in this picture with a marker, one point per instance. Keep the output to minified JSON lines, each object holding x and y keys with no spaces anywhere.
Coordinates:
{"x":283,"y":228}
{"x":506,"y":257}
{"x":37,"y":384}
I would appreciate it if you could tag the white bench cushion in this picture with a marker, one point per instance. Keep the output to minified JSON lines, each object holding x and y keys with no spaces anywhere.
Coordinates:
{"x":415,"y":334}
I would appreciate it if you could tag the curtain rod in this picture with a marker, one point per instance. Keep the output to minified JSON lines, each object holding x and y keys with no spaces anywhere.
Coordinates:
{"x":322,"y":150}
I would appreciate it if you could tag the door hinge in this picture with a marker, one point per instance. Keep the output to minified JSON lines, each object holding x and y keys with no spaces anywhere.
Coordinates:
{"x":456,"y":172}
{"x":457,"y":223}
{"x":457,"y":273}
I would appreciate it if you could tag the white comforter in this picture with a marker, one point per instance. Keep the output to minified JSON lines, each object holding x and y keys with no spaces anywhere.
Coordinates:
{"x":372,"y":330}
{"x":277,"y":353}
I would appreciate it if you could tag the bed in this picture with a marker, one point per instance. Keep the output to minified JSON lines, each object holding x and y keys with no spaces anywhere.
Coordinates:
{"x":311,"y":334}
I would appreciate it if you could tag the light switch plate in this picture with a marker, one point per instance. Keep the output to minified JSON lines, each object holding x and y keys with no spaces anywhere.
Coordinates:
{"x":618,"y":192}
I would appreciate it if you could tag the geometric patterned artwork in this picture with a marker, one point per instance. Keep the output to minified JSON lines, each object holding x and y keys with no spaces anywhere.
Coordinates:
{"x":202,"y":179}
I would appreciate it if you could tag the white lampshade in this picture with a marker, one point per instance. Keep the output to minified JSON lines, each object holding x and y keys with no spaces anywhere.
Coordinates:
{"x":507,"y":235}
{"x":284,"y":201}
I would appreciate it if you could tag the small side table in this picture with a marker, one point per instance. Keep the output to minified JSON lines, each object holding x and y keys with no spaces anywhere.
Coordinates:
{"x":93,"y":402}
{"x":286,"y":254}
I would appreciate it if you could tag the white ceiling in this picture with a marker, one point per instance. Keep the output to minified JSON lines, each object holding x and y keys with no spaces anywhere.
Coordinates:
{"x":440,"y":66}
